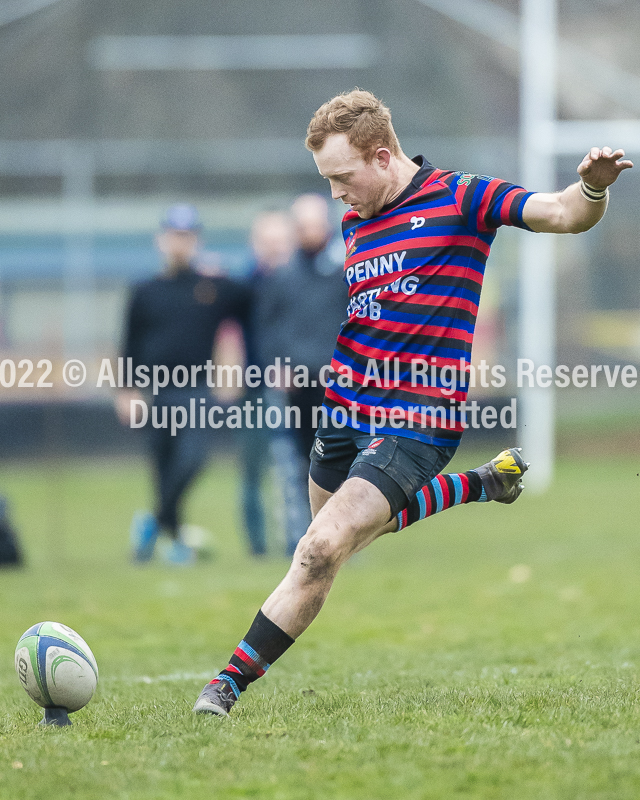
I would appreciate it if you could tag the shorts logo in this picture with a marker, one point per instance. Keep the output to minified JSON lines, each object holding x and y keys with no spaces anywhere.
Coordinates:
{"x":371,"y":447}
{"x":319,"y":447}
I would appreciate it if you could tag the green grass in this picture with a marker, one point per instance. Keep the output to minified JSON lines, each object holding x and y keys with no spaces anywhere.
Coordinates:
{"x":434,"y":671}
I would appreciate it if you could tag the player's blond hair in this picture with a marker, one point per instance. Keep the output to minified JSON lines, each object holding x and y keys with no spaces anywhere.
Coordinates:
{"x":365,"y":120}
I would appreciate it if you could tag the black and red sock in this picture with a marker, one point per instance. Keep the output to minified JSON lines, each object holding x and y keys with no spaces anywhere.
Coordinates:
{"x":264,"y":643}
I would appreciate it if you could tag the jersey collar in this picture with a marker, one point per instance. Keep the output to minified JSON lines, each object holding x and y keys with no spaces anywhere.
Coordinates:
{"x":424,"y":170}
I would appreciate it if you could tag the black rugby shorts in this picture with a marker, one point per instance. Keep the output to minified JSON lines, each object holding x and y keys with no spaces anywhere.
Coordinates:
{"x":396,"y":465}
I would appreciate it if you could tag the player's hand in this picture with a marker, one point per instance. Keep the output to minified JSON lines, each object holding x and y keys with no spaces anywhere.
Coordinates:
{"x":601,"y":167}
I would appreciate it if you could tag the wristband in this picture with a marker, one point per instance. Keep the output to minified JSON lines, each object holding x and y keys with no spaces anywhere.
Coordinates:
{"x":591,"y":194}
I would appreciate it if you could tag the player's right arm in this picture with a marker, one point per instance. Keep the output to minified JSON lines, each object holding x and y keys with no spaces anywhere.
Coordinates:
{"x":570,"y":211}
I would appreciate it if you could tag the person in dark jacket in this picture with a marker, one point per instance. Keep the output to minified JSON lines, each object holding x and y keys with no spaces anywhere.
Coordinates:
{"x":172,"y":321}
{"x":306,"y":301}
{"x":298,"y":308}
{"x":272,"y":243}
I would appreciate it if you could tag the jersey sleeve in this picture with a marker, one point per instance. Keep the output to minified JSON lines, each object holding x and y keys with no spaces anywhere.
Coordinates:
{"x":499,"y":203}
{"x":490,"y":203}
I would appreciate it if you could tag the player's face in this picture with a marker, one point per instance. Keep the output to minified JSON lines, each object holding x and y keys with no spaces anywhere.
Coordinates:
{"x":361,"y":185}
{"x":178,"y":247}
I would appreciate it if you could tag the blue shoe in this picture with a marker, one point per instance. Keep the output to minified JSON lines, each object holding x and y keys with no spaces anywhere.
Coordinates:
{"x":179,"y":554}
{"x":144,"y":534}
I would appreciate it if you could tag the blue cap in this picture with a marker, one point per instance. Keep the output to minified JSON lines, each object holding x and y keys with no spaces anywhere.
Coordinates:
{"x":182,"y":218}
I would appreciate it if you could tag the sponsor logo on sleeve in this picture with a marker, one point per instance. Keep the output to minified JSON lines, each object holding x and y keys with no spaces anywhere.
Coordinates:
{"x":351,"y":244}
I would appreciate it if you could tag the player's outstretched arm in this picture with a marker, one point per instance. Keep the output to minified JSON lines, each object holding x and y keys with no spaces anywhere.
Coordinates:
{"x":581,"y":205}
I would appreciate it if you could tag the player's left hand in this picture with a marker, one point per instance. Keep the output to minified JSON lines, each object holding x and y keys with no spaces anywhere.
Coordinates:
{"x":601,"y":167}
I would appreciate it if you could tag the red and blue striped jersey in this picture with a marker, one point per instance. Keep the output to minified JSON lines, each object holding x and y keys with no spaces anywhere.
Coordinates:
{"x":415,"y":274}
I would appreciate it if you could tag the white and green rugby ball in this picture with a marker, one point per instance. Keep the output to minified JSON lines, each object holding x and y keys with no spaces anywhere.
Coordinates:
{"x":56,"y":666}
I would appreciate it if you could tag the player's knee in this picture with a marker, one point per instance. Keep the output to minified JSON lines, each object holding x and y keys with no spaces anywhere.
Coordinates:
{"x":317,"y":556}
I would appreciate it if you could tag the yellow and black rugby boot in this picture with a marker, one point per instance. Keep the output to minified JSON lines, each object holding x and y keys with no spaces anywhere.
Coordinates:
{"x":502,"y":476}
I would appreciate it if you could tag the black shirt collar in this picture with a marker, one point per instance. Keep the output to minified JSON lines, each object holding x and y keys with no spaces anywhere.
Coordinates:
{"x":424,"y":170}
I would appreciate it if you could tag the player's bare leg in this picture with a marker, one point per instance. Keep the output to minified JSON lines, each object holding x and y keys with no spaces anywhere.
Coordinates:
{"x":347,"y":521}
{"x":501,"y":480}
{"x":344,"y":523}
{"x":319,"y":496}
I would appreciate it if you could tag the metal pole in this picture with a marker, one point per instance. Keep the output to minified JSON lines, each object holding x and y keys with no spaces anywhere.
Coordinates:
{"x":537,"y":251}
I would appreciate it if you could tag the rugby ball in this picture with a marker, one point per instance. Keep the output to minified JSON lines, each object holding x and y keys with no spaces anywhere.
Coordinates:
{"x":56,"y":666}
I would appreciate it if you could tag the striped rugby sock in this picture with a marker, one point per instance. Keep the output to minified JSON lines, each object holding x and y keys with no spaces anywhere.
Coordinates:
{"x":263,"y":644}
{"x":443,"y":492}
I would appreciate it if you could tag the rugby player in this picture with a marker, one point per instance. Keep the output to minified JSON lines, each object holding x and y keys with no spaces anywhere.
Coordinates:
{"x":417,"y":241}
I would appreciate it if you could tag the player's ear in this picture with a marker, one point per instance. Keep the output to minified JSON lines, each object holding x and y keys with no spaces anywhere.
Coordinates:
{"x":382,"y":157}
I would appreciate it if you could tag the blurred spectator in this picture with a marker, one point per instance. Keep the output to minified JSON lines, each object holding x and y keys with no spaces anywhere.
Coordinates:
{"x":298,"y":309}
{"x":10,"y":553}
{"x":317,"y":305}
{"x":172,"y":320}
{"x":272,"y":245}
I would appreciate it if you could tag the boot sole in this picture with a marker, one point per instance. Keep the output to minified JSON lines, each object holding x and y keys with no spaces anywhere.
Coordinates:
{"x":207,"y":707}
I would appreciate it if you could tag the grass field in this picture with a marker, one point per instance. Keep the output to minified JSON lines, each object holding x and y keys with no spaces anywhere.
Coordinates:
{"x":492,"y":652}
